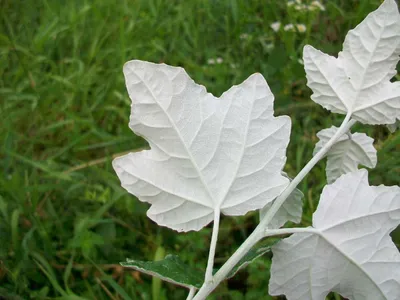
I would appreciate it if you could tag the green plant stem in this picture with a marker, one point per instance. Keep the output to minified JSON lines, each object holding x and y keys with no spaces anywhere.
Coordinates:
{"x":260,"y":230}
{"x":213,"y":246}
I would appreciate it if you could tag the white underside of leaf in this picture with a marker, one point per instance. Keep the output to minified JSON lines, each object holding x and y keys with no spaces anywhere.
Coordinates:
{"x":347,"y":153}
{"x":291,"y":210}
{"x":358,"y":81}
{"x":351,"y":252}
{"x":207,"y":154}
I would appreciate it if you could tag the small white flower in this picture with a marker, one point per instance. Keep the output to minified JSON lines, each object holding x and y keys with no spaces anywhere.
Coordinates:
{"x":275,"y":26}
{"x":290,"y":3}
{"x":211,"y":61}
{"x":244,"y":36}
{"x":312,"y":8}
{"x":316,"y":5}
{"x":288,"y":27}
{"x":300,"y":7}
{"x":269,"y":46}
{"x":301,"y":28}
{"x":219,"y":60}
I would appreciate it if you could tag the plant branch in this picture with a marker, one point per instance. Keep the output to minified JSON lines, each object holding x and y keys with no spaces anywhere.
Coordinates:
{"x":344,"y":127}
{"x":191,"y":293}
{"x":259,"y":232}
{"x":213,"y":246}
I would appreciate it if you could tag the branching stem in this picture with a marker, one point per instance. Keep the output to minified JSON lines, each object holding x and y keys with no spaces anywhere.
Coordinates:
{"x":346,"y":125}
{"x":191,"y":293}
{"x":260,"y":231}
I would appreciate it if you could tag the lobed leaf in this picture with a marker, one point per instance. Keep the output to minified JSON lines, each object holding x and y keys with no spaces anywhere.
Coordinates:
{"x":358,"y":81}
{"x":347,"y":153}
{"x":351,"y":251}
{"x":207,"y":154}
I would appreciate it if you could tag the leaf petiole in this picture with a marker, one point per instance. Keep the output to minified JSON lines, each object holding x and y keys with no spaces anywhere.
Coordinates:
{"x":213,"y":246}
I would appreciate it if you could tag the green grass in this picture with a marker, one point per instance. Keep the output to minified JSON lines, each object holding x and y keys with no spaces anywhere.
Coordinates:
{"x":65,"y":222}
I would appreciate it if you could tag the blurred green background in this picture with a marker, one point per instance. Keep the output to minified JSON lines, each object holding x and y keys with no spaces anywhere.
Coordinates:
{"x":65,"y":222}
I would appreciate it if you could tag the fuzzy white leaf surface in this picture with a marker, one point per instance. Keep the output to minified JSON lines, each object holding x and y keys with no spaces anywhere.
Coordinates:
{"x":347,"y":153}
{"x":351,"y":251}
{"x":358,"y":81}
{"x":207,"y":154}
{"x":291,"y":209}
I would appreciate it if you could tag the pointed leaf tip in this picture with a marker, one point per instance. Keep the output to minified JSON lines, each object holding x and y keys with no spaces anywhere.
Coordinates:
{"x":358,"y":81}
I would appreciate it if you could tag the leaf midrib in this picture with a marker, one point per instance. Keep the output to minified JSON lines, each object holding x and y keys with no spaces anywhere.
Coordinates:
{"x":320,"y":232}
{"x":352,"y":261}
{"x":360,"y":87}
{"x":182,"y":141}
{"x":222,"y":200}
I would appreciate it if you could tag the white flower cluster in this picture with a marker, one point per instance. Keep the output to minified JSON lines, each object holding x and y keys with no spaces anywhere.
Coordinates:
{"x":298,"y":5}
{"x":289,"y":27}
{"x":275,"y":26}
{"x":213,"y":61}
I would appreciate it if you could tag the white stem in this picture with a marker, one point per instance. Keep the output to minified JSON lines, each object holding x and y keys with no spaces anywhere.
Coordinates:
{"x":191,"y":293}
{"x":213,"y":246}
{"x":346,"y":125}
{"x":258,"y":233}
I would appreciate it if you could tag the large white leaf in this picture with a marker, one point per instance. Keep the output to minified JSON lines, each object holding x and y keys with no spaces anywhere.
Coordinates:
{"x":358,"y":81}
{"x":351,"y":251}
{"x":207,"y":154}
{"x":291,"y":209}
{"x":347,"y":153}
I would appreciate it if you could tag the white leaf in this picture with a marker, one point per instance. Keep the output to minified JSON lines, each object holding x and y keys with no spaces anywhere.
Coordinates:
{"x":291,"y":210}
{"x":207,"y":154}
{"x":347,"y":153}
{"x":351,"y":251}
{"x":358,"y":81}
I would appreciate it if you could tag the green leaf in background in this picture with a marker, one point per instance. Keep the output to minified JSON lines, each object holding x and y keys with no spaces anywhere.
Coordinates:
{"x":253,"y":254}
{"x":171,"y":269}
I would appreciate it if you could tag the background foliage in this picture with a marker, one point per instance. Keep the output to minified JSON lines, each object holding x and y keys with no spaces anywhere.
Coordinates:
{"x":65,"y":223}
